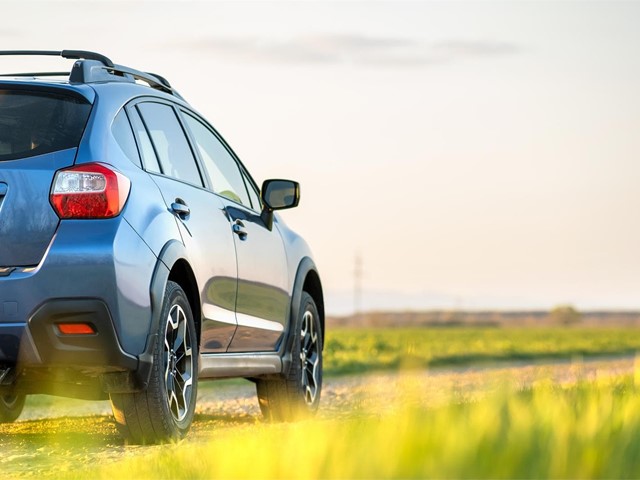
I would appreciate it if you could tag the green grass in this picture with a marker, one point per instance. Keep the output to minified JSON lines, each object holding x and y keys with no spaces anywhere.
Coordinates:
{"x":585,"y":430}
{"x":360,"y":350}
{"x":589,"y":430}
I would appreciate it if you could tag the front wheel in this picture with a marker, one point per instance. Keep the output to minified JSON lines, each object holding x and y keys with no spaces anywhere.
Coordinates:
{"x":164,"y":411}
{"x":297,"y":394}
{"x":11,"y":407}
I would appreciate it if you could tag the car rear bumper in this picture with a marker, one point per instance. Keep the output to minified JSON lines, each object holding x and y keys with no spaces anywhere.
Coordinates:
{"x":38,"y":346}
{"x":94,"y":272}
{"x":100,"y":349}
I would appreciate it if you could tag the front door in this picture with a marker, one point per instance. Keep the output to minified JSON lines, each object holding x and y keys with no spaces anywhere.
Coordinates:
{"x":262,"y":303}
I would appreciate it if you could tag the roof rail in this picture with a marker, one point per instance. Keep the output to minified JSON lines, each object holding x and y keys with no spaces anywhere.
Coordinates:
{"x":86,"y":72}
{"x":84,"y":54}
{"x":154,"y":81}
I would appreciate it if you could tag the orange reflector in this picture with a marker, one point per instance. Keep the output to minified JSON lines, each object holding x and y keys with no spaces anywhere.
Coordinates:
{"x":76,"y":329}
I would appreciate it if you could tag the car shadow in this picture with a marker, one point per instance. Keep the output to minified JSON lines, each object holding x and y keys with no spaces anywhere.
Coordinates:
{"x":91,"y":429}
{"x":95,"y":431}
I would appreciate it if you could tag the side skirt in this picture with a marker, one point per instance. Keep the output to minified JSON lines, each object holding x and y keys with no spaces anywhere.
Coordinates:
{"x":226,"y":365}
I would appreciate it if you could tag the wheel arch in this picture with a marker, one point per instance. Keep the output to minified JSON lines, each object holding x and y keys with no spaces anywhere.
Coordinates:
{"x":307,"y":280}
{"x":182,"y":273}
{"x":313,"y":287}
{"x":173,"y":264}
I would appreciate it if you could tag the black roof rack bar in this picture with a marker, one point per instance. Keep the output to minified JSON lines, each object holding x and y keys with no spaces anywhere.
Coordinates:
{"x":53,"y":53}
{"x":35,"y":74}
{"x":71,"y":54}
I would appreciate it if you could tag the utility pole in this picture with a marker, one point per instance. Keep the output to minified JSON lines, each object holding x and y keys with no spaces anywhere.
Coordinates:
{"x":357,"y":287}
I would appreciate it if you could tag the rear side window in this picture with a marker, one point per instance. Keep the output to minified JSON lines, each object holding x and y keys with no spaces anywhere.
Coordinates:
{"x":144,"y":142}
{"x":34,"y":123}
{"x":170,"y":143}
{"x":121,"y":129}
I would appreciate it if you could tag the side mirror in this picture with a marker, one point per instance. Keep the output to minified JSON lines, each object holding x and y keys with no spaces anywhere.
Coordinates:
{"x":278,"y":195}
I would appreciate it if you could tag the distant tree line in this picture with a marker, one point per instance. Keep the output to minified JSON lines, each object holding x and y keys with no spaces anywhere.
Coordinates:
{"x":565,"y":315}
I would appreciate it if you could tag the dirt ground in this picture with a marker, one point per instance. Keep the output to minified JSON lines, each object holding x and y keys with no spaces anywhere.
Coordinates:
{"x":55,"y":435}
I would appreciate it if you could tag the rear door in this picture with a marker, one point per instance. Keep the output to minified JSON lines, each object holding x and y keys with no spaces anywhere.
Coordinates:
{"x":40,"y":130}
{"x":203,"y":221}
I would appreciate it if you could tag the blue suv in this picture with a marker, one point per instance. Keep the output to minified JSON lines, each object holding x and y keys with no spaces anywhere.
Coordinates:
{"x":138,"y":256}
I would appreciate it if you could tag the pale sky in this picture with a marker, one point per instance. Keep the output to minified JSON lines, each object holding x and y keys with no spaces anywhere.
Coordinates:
{"x":475,"y":154}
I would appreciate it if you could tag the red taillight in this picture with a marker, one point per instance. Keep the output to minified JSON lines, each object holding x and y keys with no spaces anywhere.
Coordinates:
{"x":76,"y":329}
{"x":90,"y":190}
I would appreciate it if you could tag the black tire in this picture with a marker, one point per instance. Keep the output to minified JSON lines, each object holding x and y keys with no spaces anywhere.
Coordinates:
{"x":297,"y":394}
{"x":11,"y":407}
{"x":164,"y":411}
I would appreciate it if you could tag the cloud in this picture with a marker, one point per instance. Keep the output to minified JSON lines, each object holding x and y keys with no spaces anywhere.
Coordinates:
{"x":352,"y":49}
{"x":476,"y":48}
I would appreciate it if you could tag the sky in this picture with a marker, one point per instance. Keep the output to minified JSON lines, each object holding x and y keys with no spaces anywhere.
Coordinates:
{"x":472,"y":154}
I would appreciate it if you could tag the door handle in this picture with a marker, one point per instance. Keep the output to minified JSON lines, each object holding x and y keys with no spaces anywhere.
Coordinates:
{"x":180,"y":208}
{"x":238,"y":229}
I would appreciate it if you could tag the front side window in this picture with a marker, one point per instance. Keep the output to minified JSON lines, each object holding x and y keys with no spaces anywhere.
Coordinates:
{"x":253,"y":194}
{"x":221,"y":167}
{"x":170,"y":143}
{"x":34,"y":123}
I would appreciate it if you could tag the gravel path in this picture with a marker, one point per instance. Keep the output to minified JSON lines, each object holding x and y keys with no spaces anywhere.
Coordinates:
{"x":342,"y":395}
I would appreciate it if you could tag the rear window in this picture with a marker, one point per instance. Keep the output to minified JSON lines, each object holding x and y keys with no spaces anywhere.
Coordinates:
{"x":34,"y":123}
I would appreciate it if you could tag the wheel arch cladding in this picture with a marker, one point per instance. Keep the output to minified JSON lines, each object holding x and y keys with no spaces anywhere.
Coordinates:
{"x":183,"y":275}
{"x":173,"y":265}
{"x":313,"y":287}
{"x":306,"y":279}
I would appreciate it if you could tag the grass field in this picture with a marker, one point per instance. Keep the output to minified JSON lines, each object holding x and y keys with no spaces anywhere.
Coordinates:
{"x":360,"y":350}
{"x":590,"y":430}
{"x":532,"y":429}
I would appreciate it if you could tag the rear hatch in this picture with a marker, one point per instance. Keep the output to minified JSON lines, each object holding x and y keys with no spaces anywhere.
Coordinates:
{"x":40,"y":130}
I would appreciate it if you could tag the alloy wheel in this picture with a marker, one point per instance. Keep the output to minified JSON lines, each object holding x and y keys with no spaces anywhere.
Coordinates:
{"x":178,"y":362}
{"x":309,"y":358}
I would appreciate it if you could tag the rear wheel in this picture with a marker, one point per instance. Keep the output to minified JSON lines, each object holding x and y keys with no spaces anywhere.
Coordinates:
{"x":297,"y":394}
{"x":11,"y":407}
{"x":164,"y":411}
